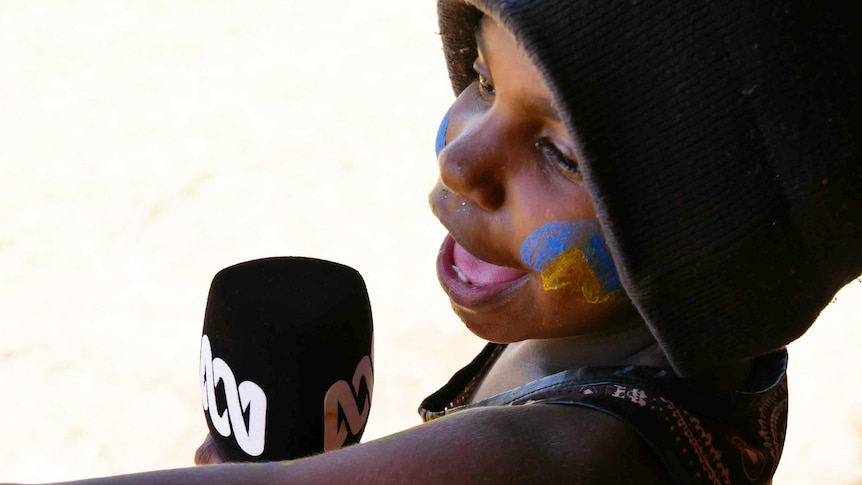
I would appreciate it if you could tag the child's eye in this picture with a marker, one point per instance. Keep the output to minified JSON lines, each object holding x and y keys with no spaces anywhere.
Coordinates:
{"x":555,"y":156}
{"x":486,"y":86}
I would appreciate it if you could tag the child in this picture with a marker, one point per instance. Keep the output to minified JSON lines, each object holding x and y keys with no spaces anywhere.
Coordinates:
{"x":645,"y":204}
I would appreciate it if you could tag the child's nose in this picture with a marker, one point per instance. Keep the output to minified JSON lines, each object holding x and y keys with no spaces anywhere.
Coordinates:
{"x":471,"y":164}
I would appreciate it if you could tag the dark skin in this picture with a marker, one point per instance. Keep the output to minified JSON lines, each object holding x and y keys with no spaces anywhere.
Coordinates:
{"x":509,"y":168}
{"x":497,"y":185}
{"x":523,"y":444}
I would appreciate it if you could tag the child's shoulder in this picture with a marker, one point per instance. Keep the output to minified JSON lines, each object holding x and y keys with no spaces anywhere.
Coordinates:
{"x":693,"y":429}
{"x":561,"y":444}
{"x":523,"y":444}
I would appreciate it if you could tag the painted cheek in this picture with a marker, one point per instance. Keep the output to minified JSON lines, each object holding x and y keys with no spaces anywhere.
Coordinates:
{"x":573,"y":254}
{"x":441,"y":134}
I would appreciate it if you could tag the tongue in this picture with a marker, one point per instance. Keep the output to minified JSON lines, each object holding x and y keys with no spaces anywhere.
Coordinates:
{"x":480,"y":272}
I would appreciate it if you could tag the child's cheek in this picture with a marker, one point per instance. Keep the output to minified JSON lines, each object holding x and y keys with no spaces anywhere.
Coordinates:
{"x":573,"y":255}
{"x":441,"y":134}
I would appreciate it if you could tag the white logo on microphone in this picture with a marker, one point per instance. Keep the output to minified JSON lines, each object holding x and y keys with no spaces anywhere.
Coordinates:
{"x":248,"y":396}
{"x":346,"y":396}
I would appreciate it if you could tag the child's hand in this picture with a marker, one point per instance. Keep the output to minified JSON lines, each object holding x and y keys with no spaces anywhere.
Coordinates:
{"x":207,"y":454}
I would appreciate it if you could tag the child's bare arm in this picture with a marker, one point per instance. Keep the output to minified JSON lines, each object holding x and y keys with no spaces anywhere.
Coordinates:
{"x":518,"y":444}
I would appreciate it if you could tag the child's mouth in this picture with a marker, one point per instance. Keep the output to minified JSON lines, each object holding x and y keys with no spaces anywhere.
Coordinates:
{"x":470,"y":281}
{"x":472,"y":270}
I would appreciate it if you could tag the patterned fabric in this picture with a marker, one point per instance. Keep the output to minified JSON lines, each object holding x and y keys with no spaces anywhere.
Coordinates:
{"x":700,"y":434}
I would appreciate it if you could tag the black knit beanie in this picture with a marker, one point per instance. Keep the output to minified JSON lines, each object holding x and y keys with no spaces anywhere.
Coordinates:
{"x":721,"y":145}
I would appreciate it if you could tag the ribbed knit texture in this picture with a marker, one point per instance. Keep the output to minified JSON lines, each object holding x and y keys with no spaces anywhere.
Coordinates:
{"x":720,"y":143}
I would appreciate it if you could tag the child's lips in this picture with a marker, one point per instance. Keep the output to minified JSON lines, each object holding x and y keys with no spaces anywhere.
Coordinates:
{"x":470,"y":281}
{"x":475,"y":271}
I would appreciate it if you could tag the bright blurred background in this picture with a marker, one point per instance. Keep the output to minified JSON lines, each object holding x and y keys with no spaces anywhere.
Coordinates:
{"x":144,"y":145}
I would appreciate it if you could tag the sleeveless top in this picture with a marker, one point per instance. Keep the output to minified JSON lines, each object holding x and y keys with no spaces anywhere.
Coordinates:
{"x":698,"y":433}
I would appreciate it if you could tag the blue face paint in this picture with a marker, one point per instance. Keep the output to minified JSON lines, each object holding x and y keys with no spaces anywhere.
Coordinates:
{"x":441,"y":134}
{"x":600,"y":260}
{"x":573,"y":254}
{"x":548,"y":242}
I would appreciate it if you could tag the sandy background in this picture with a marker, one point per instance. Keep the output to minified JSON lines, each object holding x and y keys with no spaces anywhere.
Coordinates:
{"x":144,"y":145}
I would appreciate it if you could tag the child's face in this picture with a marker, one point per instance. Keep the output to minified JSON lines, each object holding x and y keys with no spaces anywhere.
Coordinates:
{"x":526,"y":258}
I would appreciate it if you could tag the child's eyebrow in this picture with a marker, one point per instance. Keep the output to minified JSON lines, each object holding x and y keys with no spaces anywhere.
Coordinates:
{"x":545,"y":106}
{"x":549,"y":110}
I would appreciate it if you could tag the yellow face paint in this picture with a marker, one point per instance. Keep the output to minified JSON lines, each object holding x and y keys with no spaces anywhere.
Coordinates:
{"x":571,"y":269}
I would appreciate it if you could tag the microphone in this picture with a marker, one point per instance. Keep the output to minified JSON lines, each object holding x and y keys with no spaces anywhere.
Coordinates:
{"x":286,"y":358}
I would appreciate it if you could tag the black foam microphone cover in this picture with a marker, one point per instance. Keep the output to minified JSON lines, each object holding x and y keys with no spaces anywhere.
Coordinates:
{"x":286,"y":358}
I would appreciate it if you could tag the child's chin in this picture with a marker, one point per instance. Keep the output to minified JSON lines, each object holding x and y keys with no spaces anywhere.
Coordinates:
{"x":500,"y":324}
{"x":486,"y":327}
